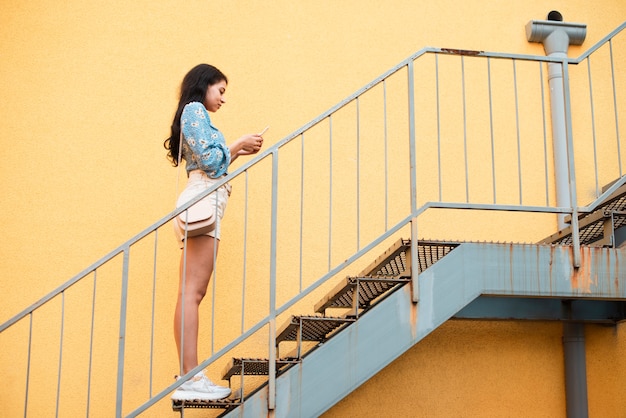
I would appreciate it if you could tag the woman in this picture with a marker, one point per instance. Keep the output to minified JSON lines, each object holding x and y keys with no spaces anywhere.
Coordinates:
{"x":207,"y":158}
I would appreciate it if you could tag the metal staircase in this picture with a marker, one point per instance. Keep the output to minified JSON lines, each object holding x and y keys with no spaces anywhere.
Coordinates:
{"x":388,"y":273}
{"x":600,"y":227}
{"x":478,"y":290}
{"x":368,"y":319}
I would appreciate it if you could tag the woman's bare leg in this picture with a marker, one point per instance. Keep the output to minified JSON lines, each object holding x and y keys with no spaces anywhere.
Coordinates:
{"x":193,"y":285}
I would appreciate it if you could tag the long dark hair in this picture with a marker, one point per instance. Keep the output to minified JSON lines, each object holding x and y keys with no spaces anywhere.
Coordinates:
{"x":193,"y":89}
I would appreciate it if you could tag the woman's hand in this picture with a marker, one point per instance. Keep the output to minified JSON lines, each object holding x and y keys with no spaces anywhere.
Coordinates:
{"x":246,"y":145}
{"x":250,"y":144}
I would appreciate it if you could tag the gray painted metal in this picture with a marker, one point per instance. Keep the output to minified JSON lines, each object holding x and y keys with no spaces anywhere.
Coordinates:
{"x":597,"y":228}
{"x":544,"y":309}
{"x":388,"y":231}
{"x":396,"y":324}
{"x":575,"y":370}
{"x":556,"y":38}
{"x":122,"y":335}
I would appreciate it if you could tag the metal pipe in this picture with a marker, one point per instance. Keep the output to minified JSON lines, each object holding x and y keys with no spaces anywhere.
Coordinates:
{"x":556,"y":36}
{"x":575,"y":369}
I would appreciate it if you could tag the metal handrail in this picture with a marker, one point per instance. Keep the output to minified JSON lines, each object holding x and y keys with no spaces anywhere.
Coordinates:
{"x":410,"y":218}
{"x":294,"y":135}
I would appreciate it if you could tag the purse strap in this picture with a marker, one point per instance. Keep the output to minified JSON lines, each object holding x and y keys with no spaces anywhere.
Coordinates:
{"x":180,"y":156}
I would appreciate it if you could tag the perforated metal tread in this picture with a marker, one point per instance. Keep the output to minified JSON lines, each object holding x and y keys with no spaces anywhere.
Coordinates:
{"x":227,"y":404}
{"x":369,"y":288}
{"x":253,"y":366}
{"x":616,"y":201}
{"x":388,"y":271}
{"x":396,"y":261}
{"x":592,"y":227}
{"x":429,"y":252}
{"x":311,"y":328}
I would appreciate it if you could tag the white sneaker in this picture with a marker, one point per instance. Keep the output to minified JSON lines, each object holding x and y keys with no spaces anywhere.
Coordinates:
{"x":199,"y":387}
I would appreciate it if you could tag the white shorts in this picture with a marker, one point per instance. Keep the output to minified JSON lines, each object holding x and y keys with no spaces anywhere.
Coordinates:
{"x":198,"y":182}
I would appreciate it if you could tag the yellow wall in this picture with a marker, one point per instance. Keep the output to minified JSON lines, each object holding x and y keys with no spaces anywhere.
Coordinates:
{"x":487,"y":369}
{"x":88,"y":93}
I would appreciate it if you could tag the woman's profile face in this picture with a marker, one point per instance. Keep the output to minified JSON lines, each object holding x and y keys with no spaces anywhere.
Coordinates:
{"x":214,"y":97}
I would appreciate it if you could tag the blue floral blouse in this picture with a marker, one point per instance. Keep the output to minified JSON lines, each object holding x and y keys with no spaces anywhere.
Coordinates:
{"x":204,"y":146}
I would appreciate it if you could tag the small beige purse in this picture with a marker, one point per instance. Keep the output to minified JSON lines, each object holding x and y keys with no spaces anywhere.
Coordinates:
{"x":201,"y":217}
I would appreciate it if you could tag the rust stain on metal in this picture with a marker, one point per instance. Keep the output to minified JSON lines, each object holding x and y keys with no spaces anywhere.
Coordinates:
{"x":453,"y":51}
{"x":582,"y":278}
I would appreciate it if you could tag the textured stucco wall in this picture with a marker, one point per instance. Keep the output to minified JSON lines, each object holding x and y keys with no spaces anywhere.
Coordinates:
{"x":88,"y":93}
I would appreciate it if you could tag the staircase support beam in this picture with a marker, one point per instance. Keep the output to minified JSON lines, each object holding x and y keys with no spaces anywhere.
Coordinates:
{"x":608,"y":312}
{"x":347,"y":360}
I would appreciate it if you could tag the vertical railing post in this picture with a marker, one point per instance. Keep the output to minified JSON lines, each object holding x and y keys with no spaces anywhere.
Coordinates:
{"x":91,"y":338}
{"x":615,"y":110}
{"x":60,"y":369}
{"x":271,"y":395}
{"x":153,"y":322}
{"x":122,"y":335}
{"x":30,"y":342}
{"x":245,"y":255}
{"x":570,"y":163}
{"x":413,"y":176}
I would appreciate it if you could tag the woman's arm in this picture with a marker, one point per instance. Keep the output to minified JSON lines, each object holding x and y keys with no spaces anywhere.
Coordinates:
{"x":246,"y":145}
{"x":209,"y":150}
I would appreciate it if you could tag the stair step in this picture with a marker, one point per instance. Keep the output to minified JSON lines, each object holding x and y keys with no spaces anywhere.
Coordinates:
{"x":369,"y":289}
{"x":616,"y":201}
{"x":429,"y":252}
{"x":311,"y":328}
{"x":227,"y":404}
{"x":596,"y":228}
{"x":396,"y":261}
{"x":253,"y":366}
{"x":388,"y":271}
{"x":392,"y":263}
{"x":392,"y":269}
